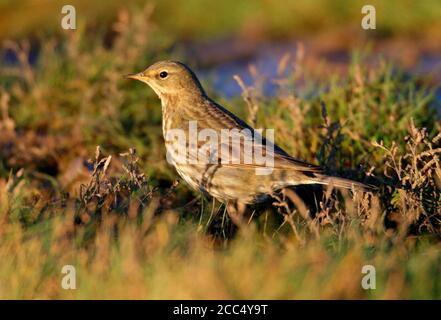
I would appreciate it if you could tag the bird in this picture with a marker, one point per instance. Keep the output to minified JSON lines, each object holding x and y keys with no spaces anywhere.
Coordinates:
{"x":224,"y":175}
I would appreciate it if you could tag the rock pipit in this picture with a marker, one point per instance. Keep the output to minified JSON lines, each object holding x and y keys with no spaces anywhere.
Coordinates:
{"x":201,"y":144}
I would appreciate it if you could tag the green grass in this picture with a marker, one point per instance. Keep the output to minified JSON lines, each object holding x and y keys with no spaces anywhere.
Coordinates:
{"x":131,"y":232}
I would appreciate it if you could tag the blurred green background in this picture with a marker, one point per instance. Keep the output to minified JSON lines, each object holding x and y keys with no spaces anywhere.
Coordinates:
{"x":228,"y":35}
{"x":193,"y":19}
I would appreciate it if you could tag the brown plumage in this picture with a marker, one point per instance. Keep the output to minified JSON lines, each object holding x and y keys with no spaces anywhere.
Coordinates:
{"x":233,"y":182}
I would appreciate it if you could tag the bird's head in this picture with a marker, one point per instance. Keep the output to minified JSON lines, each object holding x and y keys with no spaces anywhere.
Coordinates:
{"x":169,"y":78}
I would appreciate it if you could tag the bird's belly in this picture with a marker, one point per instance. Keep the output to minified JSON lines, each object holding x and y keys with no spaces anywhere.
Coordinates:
{"x":190,"y":176}
{"x":225,"y":184}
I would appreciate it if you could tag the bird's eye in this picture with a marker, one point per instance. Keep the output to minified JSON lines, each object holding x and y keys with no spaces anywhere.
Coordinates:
{"x":163,"y":74}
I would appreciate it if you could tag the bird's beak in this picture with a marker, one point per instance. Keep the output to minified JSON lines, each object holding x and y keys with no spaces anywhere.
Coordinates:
{"x":136,"y":76}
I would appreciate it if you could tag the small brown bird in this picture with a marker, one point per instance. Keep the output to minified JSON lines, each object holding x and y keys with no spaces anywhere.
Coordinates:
{"x":188,"y":113}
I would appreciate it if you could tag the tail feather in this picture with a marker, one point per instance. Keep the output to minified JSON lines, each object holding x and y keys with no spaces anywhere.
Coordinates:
{"x":343,"y":183}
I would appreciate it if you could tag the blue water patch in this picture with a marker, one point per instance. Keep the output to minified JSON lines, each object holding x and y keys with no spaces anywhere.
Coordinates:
{"x":9,"y":56}
{"x":265,"y":60}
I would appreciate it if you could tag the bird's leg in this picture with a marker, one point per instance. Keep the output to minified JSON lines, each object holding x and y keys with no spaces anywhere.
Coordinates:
{"x":236,"y":211}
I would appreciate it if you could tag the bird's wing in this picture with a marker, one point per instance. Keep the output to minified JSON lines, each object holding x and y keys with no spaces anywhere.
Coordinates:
{"x":220,"y":118}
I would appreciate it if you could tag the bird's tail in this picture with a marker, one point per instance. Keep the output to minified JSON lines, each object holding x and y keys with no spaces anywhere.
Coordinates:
{"x":342,"y":183}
